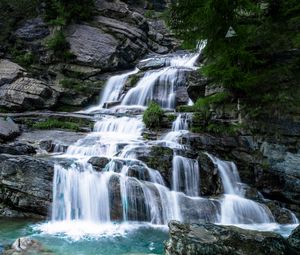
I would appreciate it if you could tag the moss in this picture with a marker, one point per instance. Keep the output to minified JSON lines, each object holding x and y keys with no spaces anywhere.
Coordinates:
{"x":171,"y":117}
{"x":55,"y":123}
{"x":153,"y":115}
{"x":77,"y":85}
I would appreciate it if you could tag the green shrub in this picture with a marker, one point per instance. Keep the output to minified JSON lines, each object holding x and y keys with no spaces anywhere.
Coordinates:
{"x":77,"y":85}
{"x":25,"y":59}
{"x":57,"y":42}
{"x":153,"y":115}
{"x":55,"y":123}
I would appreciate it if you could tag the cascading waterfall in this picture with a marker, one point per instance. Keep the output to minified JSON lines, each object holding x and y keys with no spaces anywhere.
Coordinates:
{"x":161,"y":85}
{"x":236,"y":209}
{"x":126,"y":189}
{"x":112,"y":90}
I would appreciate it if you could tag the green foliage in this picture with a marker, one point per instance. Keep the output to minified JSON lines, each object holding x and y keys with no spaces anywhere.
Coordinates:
{"x":255,"y":62}
{"x":62,"y":12}
{"x":25,"y":59}
{"x":153,"y":115}
{"x":77,"y":85}
{"x":14,"y":12}
{"x":56,"y":123}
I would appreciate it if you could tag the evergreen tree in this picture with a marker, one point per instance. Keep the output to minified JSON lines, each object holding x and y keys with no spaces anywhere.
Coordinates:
{"x":253,"y":64}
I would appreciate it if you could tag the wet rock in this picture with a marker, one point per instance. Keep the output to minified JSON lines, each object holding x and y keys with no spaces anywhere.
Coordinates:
{"x":17,"y":149}
{"x":27,"y":94}
{"x":294,"y":240}
{"x":33,"y":29}
{"x":196,"y":85}
{"x":281,"y":215}
{"x":197,"y":239}
{"x":8,"y":129}
{"x":115,"y":200}
{"x":98,"y":163}
{"x":46,"y":145}
{"x":27,"y":245}
{"x":159,"y":158}
{"x":151,"y":63}
{"x":26,"y":183}
{"x":182,"y":96}
{"x":211,"y":183}
{"x":9,"y":71}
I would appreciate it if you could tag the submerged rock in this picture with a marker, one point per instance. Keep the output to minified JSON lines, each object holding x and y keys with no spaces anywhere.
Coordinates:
{"x":27,"y":245}
{"x":197,"y":239}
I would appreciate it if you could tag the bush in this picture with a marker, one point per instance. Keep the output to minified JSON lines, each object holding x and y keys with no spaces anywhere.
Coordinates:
{"x":153,"y":115}
{"x":55,"y":123}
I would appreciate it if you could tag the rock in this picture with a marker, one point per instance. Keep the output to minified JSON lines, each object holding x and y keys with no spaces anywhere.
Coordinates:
{"x":159,"y":158}
{"x":98,"y":163}
{"x":182,"y":96}
{"x":196,"y":85}
{"x":33,"y":29}
{"x":27,"y":245}
{"x":46,"y":145}
{"x":151,"y":63}
{"x":92,"y":46}
{"x":8,"y":129}
{"x":197,"y":239}
{"x":211,"y":183}
{"x":294,"y":240}
{"x":26,"y":183}
{"x":27,"y":94}
{"x":17,"y":149}
{"x":9,"y":71}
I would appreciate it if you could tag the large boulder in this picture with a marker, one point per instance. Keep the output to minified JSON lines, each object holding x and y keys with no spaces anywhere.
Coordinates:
{"x":8,"y":129}
{"x":26,"y":94}
{"x":9,"y":71}
{"x":32,"y":29}
{"x":26,"y":183}
{"x":197,"y":239}
{"x":92,"y":46}
{"x":294,"y":239}
{"x":17,"y":149}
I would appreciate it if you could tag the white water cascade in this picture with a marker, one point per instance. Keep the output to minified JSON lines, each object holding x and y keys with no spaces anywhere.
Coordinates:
{"x":124,"y":189}
{"x":235,"y":209}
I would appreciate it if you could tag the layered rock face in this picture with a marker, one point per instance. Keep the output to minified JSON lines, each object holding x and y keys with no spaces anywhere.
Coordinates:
{"x":25,"y":185}
{"x":198,"y":239}
{"x":115,"y":38}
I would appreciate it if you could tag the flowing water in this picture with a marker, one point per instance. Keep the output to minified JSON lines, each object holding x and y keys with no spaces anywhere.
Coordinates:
{"x":124,"y":207}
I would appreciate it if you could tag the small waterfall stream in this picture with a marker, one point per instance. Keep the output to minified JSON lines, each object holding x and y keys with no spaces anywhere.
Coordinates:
{"x":125,"y":189}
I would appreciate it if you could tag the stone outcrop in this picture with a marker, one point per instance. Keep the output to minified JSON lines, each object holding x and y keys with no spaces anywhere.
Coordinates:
{"x":9,"y":71}
{"x":33,"y":29}
{"x":197,"y":239}
{"x":8,"y":129}
{"x":27,"y":94}
{"x":26,"y":183}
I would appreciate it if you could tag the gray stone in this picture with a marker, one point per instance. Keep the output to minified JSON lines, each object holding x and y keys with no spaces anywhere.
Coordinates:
{"x":294,"y":240}
{"x":26,"y":183}
{"x":8,"y":129}
{"x":198,"y":239}
{"x":33,"y":29}
{"x":9,"y":71}
{"x":182,"y":96}
{"x":151,"y":63}
{"x":17,"y":149}
{"x":92,"y":46}
{"x":98,"y":163}
{"x":27,"y":94}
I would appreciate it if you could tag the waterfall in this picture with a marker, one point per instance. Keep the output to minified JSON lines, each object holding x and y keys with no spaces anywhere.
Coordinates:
{"x":125,"y":189}
{"x":186,"y":176}
{"x":112,"y":90}
{"x":235,"y":209}
{"x":161,"y":85}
